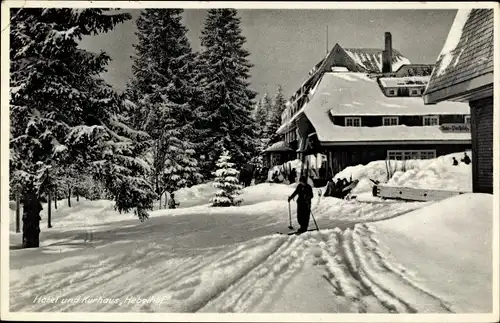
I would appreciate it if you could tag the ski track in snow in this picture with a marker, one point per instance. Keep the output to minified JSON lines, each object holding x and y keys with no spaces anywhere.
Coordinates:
{"x":246,"y":274}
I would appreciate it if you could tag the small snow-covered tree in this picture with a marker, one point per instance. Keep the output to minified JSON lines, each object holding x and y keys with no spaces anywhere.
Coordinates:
{"x":226,"y":180}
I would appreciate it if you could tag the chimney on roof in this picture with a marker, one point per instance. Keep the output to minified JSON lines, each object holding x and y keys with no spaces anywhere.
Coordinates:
{"x":387,"y":54}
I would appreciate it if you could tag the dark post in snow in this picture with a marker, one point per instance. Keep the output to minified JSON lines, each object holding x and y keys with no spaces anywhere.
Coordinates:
{"x":18,"y":210}
{"x":31,"y":219}
{"x":69,"y":197}
{"x":49,"y":212}
{"x":55,"y":197}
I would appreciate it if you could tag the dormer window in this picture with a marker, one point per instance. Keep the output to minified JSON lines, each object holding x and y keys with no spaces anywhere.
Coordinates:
{"x":353,"y":122}
{"x":431,"y":121}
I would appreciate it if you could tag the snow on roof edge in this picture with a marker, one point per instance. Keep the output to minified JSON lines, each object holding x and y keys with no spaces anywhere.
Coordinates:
{"x":445,"y":56}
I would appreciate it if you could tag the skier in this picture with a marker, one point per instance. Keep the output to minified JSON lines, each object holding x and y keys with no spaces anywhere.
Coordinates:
{"x":171,"y":203}
{"x":466,"y":159}
{"x":455,"y":161}
{"x":305,"y":195}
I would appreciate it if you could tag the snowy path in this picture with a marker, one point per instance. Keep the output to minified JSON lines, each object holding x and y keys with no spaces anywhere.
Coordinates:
{"x":216,"y":261}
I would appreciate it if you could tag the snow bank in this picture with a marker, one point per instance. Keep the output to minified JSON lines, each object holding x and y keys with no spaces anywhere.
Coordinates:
{"x":438,"y":173}
{"x":84,"y":213}
{"x":195,"y":195}
{"x":448,"y":246}
{"x":266,"y":192}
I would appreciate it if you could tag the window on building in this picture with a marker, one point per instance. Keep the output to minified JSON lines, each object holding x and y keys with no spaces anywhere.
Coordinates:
{"x":467,"y":119}
{"x":390,"y":121}
{"x":391,"y":92}
{"x":394,"y":155}
{"x":410,"y":154}
{"x":431,"y":120}
{"x":353,"y":122}
{"x":415,"y":92}
{"x":427,"y":154}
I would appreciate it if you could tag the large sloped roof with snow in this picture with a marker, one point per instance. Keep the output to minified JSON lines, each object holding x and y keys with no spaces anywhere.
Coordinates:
{"x":368,"y":59}
{"x":371,"y":58}
{"x":467,"y":56}
{"x":355,"y":94}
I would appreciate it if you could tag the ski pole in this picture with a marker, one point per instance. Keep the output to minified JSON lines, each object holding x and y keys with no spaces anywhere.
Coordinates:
{"x":317,"y":228}
{"x":290,"y":216}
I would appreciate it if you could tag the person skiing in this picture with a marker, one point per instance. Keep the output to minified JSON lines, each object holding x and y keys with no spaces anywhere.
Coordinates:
{"x":466,"y":160}
{"x":305,"y":194}
{"x":171,"y":203}
{"x":455,"y":161}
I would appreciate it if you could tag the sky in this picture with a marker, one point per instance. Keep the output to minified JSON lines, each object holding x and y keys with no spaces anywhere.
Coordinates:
{"x":284,"y":44}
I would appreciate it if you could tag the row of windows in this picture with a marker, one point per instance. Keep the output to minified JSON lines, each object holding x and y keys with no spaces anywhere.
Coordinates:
{"x":410,"y":154}
{"x":394,"y":121}
{"x":412,"y":92}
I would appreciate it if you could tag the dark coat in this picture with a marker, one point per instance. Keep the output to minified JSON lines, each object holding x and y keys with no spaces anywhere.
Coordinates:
{"x":304,"y":193}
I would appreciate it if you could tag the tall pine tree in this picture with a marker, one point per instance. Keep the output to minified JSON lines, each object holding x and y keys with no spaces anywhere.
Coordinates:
{"x":63,"y":114}
{"x":162,"y":85}
{"x":223,"y":77}
{"x":273,"y":121}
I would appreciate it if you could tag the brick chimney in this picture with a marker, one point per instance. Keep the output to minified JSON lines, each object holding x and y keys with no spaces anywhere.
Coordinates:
{"x":387,"y":54}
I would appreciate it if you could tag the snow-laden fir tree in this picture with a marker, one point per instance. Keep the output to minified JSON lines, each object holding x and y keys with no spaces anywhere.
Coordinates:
{"x":162,"y":85}
{"x":260,"y":115}
{"x":223,"y":77}
{"x":226,"y":180}
{"x":273,"y":121}
{"x":63,"y":113}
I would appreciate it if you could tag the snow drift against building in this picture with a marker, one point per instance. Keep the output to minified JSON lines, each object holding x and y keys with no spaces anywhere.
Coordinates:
{"x":438,"y":173}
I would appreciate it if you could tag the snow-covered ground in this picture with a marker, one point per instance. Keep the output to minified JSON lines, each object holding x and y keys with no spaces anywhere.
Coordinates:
{"x":422,"y":257}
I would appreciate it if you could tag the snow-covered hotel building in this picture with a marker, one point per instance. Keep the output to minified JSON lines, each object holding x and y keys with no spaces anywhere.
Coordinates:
{"x":361,"y":105}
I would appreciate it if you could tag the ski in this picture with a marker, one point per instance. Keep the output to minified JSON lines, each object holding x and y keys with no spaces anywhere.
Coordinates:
{"x":296,"y":232}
